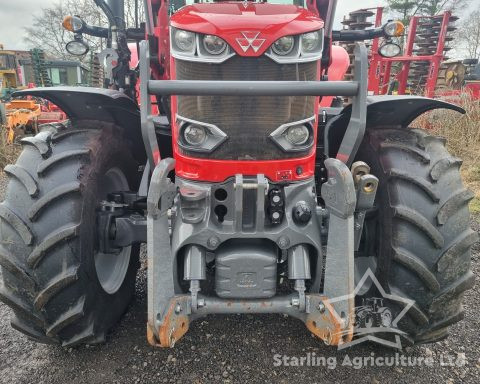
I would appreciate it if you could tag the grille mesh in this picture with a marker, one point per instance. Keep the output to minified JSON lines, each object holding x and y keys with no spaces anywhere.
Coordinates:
{"x":248,"y":121}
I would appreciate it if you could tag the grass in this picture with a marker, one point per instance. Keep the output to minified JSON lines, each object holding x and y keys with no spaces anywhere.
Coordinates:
{"x":8,"y":152}
{"x":463,"y":140}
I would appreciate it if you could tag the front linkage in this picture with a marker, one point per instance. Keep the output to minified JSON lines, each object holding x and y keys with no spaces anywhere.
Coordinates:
{"x":171,"y":313}
{"x":179,"y":218}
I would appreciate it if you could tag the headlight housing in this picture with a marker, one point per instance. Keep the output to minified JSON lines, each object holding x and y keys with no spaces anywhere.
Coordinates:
{"x":197,"y":136}
{"x":191,"y":46}
{"x":297,"y":136}
{"x":297,"y":49}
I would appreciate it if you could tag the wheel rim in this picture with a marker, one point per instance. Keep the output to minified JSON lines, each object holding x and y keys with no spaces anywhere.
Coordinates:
{"x":112,"y":268}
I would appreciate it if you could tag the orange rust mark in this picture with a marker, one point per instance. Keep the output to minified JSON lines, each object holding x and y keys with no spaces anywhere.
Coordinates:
{"x":332,"y":334}
{"x":173,"y":329}
{"x":169,"y":333}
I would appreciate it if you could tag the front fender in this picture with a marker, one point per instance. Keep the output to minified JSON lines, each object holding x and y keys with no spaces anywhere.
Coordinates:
{"x":383,"y":111}
{"x":84,"y":103}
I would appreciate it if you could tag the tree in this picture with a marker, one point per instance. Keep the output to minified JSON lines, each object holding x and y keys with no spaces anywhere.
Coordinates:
{"x":48,"y":34}
{"x":433,"y":7}
{"x":469,"y":35}
{"x":402,"y":9}
{"x":405,"y":9}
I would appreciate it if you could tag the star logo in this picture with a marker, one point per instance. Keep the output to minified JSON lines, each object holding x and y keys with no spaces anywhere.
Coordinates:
{"x":374,"y":317}
{"x":250,"y":40}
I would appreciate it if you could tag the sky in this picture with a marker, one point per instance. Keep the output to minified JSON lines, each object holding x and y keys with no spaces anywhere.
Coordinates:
{"x":17,"y":14}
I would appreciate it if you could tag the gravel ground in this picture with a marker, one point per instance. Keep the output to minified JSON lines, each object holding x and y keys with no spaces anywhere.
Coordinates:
{"x":233,"y":349}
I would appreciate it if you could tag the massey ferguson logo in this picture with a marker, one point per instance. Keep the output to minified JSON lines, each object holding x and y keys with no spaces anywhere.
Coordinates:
{"x":250,"y":40}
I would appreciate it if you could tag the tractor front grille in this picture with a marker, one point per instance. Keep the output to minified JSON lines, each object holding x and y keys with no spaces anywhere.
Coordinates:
{"x":248,"y":121}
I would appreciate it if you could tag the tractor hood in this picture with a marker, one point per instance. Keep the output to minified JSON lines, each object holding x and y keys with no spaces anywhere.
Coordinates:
{"x":261,"y":23}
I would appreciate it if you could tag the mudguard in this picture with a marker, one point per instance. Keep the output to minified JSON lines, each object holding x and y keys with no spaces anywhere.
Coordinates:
{"x":383,"y":111}
{"x":84,"y":103}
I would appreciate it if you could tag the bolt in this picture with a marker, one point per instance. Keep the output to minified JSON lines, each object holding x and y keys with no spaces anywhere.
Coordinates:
{"x":283,"y":242}
{"x":178,"y":309}
{"x":201,"y":303}
{"x":321,"y":307}
{"x":299,"y":171}
{"x":302,"y":212}
{"x":295,"y":302}
{"x":213,"y":242}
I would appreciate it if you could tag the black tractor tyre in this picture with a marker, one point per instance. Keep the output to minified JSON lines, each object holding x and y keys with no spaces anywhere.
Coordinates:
{"x":60,"y":288}
{"x":420,"y":234}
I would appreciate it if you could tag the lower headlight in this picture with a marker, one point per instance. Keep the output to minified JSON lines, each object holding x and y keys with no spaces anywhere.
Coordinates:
{"x":284,"y":45}
{"x":184,"y":40}
{"x":297,"y":134}
{"x":214,"y":44}
{"x":310,"y":41}
{"x":194,"y":135}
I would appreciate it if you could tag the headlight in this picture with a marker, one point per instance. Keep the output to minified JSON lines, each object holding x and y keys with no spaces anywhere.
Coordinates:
{"x":389,"y":50}
{"x":297,"y":135}
{"x":194,"y":134}
{"x":184,"y":40}
{"x":214,"y":44}
{"x":284,"y":45}
{"x":310,"y":41}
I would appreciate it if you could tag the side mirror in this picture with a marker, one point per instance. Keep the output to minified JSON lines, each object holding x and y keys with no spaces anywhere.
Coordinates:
{"x":389,"y":50}
{"x":77,"y":47}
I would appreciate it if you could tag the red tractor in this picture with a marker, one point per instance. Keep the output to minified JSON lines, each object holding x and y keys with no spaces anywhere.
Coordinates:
{"x":253,"y":196}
